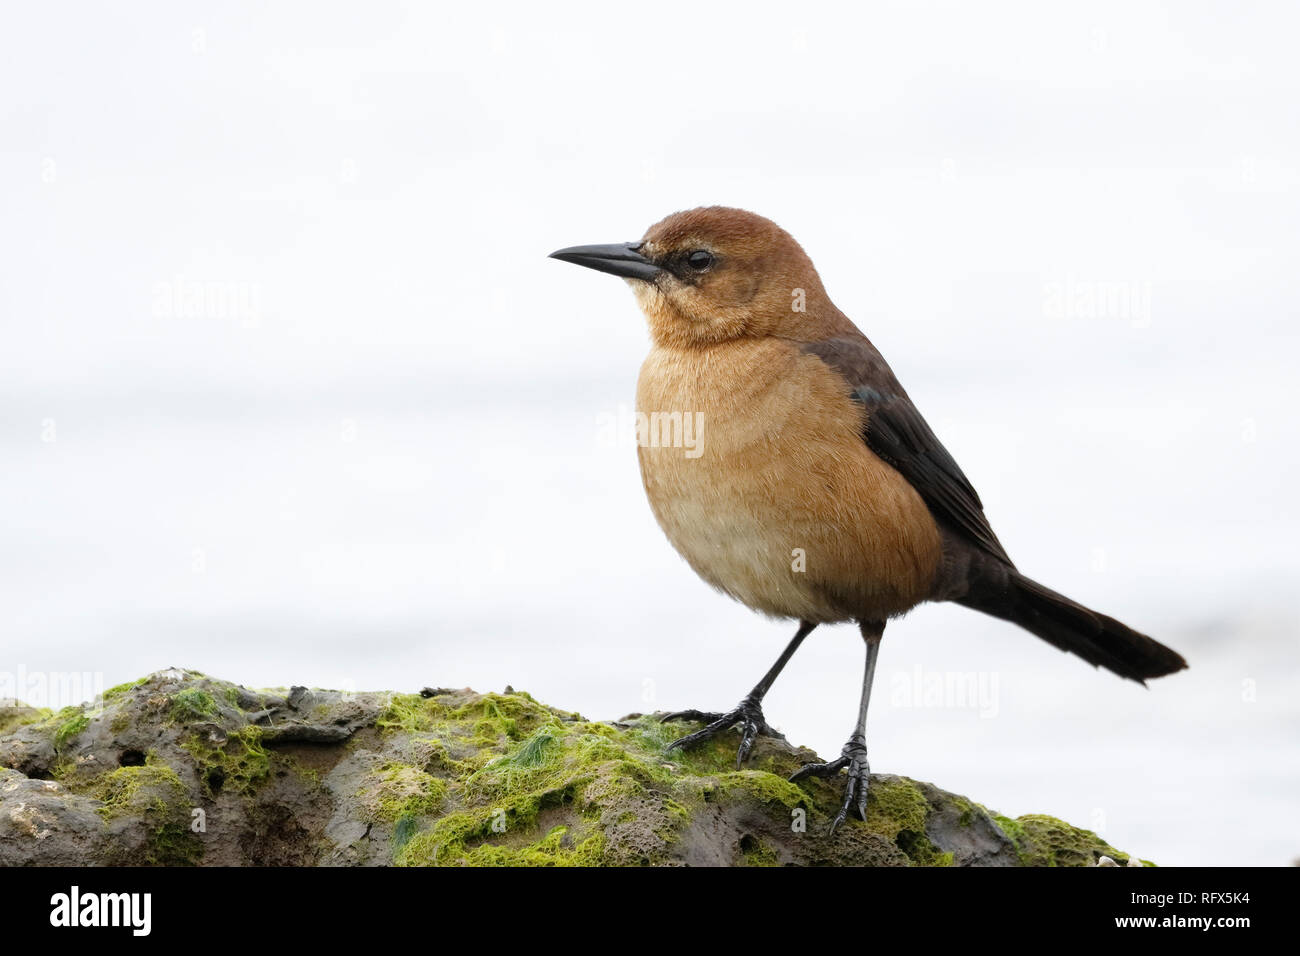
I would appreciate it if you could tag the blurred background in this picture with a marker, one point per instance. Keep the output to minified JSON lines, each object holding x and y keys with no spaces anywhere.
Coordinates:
{"x":290,"y":393}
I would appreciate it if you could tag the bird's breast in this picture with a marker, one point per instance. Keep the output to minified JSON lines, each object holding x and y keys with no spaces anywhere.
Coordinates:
{"x":754,"y":465}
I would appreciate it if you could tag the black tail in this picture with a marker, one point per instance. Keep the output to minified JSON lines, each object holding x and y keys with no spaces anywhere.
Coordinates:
{"x":1098,"y":639}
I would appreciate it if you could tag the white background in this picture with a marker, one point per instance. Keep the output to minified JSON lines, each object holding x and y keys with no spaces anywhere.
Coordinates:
{"x":290,"y":393}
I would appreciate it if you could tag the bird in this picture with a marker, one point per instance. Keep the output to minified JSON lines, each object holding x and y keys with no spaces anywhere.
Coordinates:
{"x":813,"y":490}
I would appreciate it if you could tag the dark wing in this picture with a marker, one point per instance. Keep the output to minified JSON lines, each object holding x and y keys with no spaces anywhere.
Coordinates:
{"x":897,"y":433}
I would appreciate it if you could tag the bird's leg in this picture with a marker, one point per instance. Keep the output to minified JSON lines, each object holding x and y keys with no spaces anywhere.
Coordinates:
{"x":854,"y":754}
{"x":748,"y":713}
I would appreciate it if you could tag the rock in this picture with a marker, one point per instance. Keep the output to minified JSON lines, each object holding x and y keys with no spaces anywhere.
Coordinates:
{"x":14,"y":714}
{"x":179,"y":768}
{"x":41,"y":822}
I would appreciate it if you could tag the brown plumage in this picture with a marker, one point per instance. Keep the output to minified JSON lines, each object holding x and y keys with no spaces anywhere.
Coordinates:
{"x":817,"y":491}
{"x":783,"y":474}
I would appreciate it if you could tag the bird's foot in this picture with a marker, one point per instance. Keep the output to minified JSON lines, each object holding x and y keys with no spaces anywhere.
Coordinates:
{"x":748,"y":714}
{"x":853,"y":757}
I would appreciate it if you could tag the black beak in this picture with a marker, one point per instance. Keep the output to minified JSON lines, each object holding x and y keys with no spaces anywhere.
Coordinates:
{"x":619,"y":259}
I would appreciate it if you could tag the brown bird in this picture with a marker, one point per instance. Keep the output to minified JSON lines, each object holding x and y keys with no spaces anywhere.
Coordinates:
{"x":813,"y":489}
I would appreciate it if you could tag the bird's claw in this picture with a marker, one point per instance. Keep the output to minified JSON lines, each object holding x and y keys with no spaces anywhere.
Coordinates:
{"x":748,"y":713}
{"x":854,"y":758}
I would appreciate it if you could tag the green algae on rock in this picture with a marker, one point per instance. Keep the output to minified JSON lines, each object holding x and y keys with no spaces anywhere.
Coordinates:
{"x":181,"y":768}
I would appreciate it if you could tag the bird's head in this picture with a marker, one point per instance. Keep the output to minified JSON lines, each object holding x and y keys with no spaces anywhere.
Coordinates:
{"x":713,"y":274}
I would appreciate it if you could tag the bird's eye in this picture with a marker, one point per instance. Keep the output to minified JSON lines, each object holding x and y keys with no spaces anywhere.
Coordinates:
{"x":699,"y":260}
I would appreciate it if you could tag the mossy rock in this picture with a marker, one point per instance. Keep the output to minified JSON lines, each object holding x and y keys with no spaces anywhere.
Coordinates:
{"x":181,"y":768}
